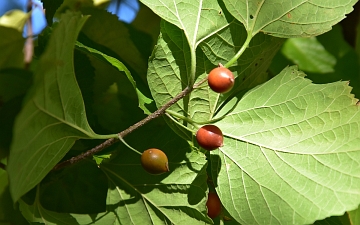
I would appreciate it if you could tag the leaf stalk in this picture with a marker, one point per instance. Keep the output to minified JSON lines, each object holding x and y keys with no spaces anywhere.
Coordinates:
{"x":240,"y":52}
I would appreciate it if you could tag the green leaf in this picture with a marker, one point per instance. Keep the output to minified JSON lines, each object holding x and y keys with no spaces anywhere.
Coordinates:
{"x":53,"y":117}
{"x":143,"y":100}
{"x":72,"y":5}
{"x":11,"y":45}
{"x":177,"y":197}
{"x":148,"y":22}
{"x":357,"y":41}
{"x":168,"y":69}
{"x":8,"y":113}
{"x":100,"y":29}
{"x":198,"y":19}
{"x":120,"y":44}
{"x":3,"y":197}
{"x":167,"y":73}
{"x":354,"y":216}
{"x":335,"y":220}
{"x":346,"y":59}
{"x":290,"y":18}
{"x":80,"y":189}
{"x":36,"y":213}
{"x":250,"y":69}
{"x":14,"y":19}
{"x":50,"y":7}
{"x":8,"y":211}
{"x":100,"y":158}
{"x":14,"y":83}
{"x":290,"y":146}
{"x":309,"y":54}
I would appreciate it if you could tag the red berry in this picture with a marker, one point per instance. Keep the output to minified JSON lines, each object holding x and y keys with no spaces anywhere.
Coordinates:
{"x":209,"y":137}
{"x":221,"y":79}
{"x":213,"y":205}
{"x":154,"y":161}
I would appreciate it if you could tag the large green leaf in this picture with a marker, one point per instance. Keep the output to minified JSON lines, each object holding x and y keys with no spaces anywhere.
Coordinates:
{"x":197,"y":18}
{"x":4,"y":203}
{"x":11,"y":44}
{"x":167,"y":73}
{"x":168,"y":68}
{"x":8,"y":211}
{"x":309,"y":54}
{"x":171,"y":62}
{"x":53,"y":117}
{"x":354,"y":216}
{"x":291,"y":153}
{"x":120,"y":48}
{"x":335,"y":220}
{"x":37,"y":214}
{"x":143,"y":100}
{"x":177,"y":197}
{"x":13,"y":85}
{"x":79,"y":189}
{"x":314,"y":55}
{"x":289,"y":18}
{"x":250,"y":69}
{"x":107,"y":31}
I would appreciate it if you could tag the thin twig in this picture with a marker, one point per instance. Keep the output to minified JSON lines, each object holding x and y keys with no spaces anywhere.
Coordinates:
{"x":29,"y":43}
{"x":157,"y":113}
{"x":122,"y":134}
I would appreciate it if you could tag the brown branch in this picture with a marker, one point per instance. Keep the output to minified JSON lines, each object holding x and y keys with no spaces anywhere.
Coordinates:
{"x":123,"y":133}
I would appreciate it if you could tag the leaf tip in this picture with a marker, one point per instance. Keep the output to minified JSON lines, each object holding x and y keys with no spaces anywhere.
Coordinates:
{"x":349,"y":89}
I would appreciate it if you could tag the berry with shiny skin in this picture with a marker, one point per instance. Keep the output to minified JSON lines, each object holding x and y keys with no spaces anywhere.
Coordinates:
{"x":221,"y":80}
{"x":209,"y":137}
{"x":213,"y":205}
{"x":154,"y":161}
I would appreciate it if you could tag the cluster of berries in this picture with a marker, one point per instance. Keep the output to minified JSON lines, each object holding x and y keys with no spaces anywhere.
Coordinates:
{"x":209,"y":137}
